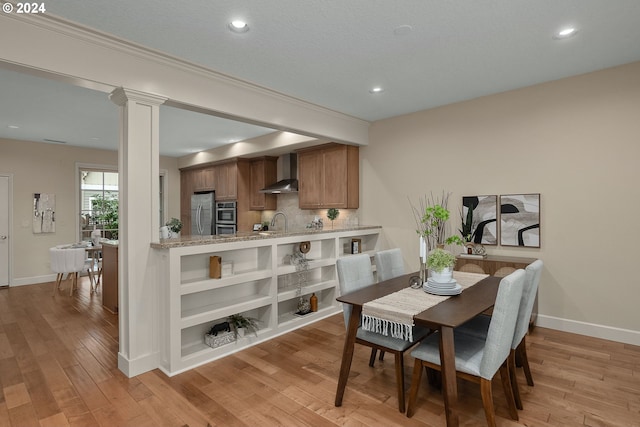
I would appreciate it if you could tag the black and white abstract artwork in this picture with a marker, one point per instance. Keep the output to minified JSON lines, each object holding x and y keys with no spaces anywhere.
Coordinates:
{"x":484,"y":227}
{"x":520,"y":220}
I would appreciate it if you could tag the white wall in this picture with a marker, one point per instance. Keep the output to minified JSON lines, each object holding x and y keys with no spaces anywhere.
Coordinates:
{"x":48,"y":168}
{"x":575,"y":141}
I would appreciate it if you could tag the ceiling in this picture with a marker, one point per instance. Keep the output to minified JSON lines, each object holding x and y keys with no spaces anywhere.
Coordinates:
{"x":423,"y":53}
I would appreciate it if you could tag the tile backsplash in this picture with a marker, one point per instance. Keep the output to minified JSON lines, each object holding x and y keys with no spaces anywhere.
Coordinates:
{"x":299,"y":218}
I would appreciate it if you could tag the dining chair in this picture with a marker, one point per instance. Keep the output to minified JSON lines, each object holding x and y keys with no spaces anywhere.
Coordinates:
{"x":479,"y":326}
{"x":354,"y":273}
{"x":389,"y":264}
{"x":67,"y":261}
{"x":94,"y":268}
{"x":477,"y":359}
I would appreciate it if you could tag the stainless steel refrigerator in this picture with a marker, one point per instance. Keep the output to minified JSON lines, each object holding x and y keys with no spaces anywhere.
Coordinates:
{"x":203,"y":221}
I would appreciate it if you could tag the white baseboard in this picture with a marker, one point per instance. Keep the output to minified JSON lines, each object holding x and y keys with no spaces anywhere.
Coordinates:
{"x":626,"y":336}
{"x":33,"y":280}
{"x":138,"y":366}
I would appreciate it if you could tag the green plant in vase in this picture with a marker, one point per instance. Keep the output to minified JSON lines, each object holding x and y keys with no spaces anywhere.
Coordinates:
{"x":238,"y":321}
{"x":175,"y":225}
{"x":439,"y":260}
{"x":332,"y":214}
{"x":441,"y":264}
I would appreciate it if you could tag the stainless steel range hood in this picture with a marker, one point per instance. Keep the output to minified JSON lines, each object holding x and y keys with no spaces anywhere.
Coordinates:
{"x":287,"y":176}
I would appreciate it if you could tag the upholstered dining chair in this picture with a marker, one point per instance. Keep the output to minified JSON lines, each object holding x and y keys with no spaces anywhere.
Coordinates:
{"x":389,"y":264}
{"x":478,"y":359}
{"x":354,"y":273}
{"x":479,"y":326}
{"x":69,"y":261}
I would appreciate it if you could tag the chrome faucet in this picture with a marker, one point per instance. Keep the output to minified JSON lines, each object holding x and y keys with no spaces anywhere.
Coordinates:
{"x":273,"y":220}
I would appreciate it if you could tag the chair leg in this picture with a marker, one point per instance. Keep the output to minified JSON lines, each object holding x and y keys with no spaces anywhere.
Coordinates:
{"x":522,"y":351}
{"x":372,"y":358}
{"x":74,"y":283}
{"x":434,"y":377}
{"x":487,"y":402}
{"x":400,"y":380}
{"x":381,"y":358}
{"x":508,"y":392}
{"x":512,"y":377}
{"x":58,"y":283}
{"x":415,"y":385}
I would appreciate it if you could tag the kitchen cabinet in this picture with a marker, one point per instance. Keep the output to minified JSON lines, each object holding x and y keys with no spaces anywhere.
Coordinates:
{"x":263,"y":173}
{"x":110,"y":277}
{"x":231,"y":182}
{"x":497,"y":265}
{"x":329,"y":177}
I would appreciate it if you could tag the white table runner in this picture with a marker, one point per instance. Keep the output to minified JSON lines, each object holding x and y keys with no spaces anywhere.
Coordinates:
{"x":392,"y":315}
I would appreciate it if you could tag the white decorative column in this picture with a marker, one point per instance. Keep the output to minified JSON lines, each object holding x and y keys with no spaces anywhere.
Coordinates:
{"x":138,"y":174}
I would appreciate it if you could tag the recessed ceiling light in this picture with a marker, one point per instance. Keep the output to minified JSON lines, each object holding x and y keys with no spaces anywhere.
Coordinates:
{"x":376,"y":89}
{"x":402,"y":30}
{"x":13,"y":127}
{"x":238,"y":26}
{"x":565,"y":33}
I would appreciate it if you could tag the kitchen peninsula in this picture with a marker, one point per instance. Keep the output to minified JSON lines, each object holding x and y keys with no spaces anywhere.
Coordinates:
{"x":258,"y":280}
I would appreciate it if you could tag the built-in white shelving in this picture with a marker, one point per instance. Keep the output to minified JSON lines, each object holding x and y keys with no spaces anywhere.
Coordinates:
{"x":263,"y":285}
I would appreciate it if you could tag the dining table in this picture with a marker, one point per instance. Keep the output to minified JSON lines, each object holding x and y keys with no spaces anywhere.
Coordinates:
{"x":443,"y":317}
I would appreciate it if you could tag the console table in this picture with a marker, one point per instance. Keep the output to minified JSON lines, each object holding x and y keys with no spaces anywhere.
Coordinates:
{"x":500,"y":266}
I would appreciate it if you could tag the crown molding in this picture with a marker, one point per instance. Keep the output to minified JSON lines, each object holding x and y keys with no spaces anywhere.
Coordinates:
{"x":93,"y":36}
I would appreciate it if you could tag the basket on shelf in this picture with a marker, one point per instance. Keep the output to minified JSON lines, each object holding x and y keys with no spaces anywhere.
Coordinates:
{"x":223,"y":338}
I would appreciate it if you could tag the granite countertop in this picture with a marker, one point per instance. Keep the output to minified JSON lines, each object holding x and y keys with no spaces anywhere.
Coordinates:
{"x":189,"y":240}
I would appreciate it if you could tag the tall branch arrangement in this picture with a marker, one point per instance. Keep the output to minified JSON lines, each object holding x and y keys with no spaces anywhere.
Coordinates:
{"x":431,"y":216}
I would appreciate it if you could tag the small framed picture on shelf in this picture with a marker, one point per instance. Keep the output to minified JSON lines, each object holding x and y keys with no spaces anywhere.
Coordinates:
{"x":356,"y":246}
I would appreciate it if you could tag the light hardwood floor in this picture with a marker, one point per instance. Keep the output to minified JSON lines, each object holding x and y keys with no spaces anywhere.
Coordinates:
{"x":58,"y":368}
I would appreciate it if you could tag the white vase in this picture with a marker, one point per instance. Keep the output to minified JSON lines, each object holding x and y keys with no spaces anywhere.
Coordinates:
{"x":444,"y":276}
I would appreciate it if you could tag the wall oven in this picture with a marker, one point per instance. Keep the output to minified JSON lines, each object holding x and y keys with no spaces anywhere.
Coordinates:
{"x":226,"y":217}
{"x":225,"y":229}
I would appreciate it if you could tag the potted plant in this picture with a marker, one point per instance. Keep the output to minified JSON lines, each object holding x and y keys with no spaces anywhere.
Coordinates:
{"x":441,"y":264}
{"x":241,"y":324}
{"x":332,"y":214}
{"x":175,"y":225}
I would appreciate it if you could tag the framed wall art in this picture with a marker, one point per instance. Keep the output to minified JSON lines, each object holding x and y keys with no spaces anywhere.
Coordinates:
{"x":484,"y":213}
{"x":44,"y":213}
{"x":520,"y":220}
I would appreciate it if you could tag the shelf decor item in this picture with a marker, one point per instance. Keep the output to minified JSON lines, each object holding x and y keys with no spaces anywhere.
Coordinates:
{"x":219,"y":334}
{"x":241,"y":324}
{"x":215,"y":267}
{"x":301,"y":264}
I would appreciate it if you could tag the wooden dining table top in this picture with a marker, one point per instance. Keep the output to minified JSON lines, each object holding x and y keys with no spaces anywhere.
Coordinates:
{"x":452,"y":312}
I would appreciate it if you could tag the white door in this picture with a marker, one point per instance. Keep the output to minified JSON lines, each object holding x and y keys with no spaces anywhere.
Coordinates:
{"x":4,"y":230}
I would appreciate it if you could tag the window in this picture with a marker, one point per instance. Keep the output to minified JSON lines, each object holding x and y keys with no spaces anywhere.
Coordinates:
{"x":98,"y":203}
{"x":98,"y":195}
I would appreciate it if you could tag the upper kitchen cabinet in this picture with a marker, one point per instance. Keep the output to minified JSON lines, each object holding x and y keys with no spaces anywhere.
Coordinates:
{"x":199,"y":180}
{"x":263,"y":173}
{"x":226,"y":176}
{"x":329,"y":177}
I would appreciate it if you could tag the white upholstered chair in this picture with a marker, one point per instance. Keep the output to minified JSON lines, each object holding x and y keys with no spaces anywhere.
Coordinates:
{"x":479,"y":359}
{"x":354,"y":273}
{"x":65,"y":260}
